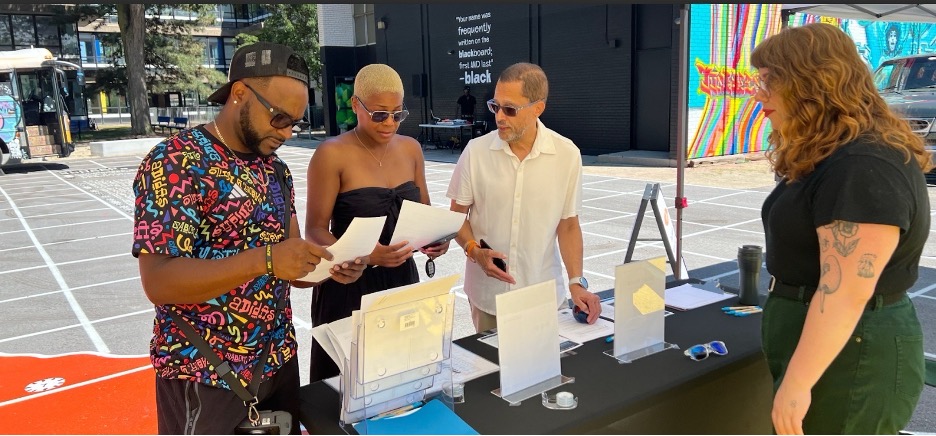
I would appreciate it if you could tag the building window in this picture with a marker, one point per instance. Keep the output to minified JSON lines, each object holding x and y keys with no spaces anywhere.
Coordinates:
{"x":6,"y":39}
{"x":48,"y":32}
{"x":364,"y":32}
{"x":24,"y":31}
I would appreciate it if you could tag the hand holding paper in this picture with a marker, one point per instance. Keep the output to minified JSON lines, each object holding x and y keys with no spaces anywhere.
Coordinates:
{"x":357,"y":241}
{"x":421,"y":224}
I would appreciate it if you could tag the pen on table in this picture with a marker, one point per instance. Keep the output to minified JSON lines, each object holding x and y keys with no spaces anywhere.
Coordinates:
{"x":744,"y":312}
{"x":399,"y":411}
{"x":609,"y":339}
{"x":727,"y":308}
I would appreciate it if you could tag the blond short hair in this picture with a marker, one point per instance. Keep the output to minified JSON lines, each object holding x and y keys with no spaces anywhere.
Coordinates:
{"x":377,"y":78}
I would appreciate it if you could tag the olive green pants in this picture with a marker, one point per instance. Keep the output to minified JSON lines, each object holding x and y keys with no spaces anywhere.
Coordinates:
{"x":872,"y":386}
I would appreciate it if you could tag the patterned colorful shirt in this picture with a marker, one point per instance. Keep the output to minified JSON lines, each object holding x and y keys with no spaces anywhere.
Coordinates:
{"x":195,"y":198}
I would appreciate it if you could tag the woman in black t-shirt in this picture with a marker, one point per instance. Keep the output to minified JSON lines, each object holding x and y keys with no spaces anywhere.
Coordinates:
{"x":844,"y":231}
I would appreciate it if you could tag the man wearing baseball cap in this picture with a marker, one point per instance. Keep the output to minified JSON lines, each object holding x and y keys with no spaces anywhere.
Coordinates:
{"x":218,"y":244}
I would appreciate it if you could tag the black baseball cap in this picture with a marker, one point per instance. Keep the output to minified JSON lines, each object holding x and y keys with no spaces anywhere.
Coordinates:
{"x":260,"y":60}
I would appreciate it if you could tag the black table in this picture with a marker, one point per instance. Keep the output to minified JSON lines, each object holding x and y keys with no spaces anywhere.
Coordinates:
{"x":666,"y":393}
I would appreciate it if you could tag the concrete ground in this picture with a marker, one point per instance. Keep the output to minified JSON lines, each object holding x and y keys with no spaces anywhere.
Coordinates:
{"x":68,"y":282}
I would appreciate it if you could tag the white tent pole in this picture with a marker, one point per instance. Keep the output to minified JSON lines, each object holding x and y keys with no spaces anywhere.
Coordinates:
{"x":682,"y":131}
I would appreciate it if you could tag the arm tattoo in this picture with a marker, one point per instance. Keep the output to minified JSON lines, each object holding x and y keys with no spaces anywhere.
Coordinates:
{"x":842,"y":231}
{"x":832,"y":275}
{"x":866,"y":265}
{"x":824,"y":246}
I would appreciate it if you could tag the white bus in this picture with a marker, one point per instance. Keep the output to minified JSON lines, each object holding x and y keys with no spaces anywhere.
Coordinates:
{"x":36,"y":93}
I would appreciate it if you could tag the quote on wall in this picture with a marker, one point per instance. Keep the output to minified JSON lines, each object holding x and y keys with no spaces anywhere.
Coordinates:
{"x":475,"y":55}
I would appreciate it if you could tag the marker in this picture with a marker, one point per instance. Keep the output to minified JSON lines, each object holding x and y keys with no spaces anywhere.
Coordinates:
{"x":727,"y":308}
{"x":745,"y":313}
{"x":609,"y":339}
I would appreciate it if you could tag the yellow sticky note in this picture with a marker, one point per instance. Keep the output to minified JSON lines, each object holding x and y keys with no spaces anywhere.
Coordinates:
{"x":647,"y":301}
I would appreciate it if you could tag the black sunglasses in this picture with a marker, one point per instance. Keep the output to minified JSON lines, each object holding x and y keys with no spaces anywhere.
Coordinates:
{"x":280,"y":120}
{"x":510,"y":111}
{"x":381,"y":116}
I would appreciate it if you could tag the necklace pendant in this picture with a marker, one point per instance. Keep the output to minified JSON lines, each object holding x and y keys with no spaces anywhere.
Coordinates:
{"x":380,"y":164}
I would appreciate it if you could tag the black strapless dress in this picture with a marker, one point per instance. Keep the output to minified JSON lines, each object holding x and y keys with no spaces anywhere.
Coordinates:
{"x":331,"y":300}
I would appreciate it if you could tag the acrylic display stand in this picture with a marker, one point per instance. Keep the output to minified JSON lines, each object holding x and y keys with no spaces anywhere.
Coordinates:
{"x":639,"y":307}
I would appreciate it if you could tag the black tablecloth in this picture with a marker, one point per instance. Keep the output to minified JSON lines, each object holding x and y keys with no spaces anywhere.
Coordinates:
{"x":662,"y":393}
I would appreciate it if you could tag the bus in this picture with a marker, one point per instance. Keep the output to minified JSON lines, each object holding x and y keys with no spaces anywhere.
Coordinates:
{"x":38,"y":94}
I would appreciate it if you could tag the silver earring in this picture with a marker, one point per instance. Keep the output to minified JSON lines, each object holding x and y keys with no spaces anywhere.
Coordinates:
{"x":235,"y":101}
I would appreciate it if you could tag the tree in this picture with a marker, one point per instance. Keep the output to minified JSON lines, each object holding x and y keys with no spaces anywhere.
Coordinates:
{"x":293,"y":25}
{"x":163,"y":55}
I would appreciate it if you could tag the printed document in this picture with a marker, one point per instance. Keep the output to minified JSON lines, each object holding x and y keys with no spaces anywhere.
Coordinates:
{"x":421,"y":224}
{"x":359,"y":240}
{"x":686,"y":297}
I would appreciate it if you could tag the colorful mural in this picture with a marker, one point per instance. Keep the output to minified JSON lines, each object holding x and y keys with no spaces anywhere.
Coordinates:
{"x":878,"y":41}
{"x":721,"y":79}
{"x":10,"y":114}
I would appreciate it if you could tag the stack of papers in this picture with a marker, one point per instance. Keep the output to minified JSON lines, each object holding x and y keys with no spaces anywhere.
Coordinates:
{"x":687,"y":297}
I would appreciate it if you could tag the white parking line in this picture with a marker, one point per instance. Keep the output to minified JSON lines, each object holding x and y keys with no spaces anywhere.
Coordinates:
{"x":56,"y":204}
{"x":76,"y":308}
{"x":64,"y":213}
{"x":122,"y":213}
{"x":72,"y":289}
{"x":51,"y":264}
{"x":71,"y":326}
{"x":65,"y":225}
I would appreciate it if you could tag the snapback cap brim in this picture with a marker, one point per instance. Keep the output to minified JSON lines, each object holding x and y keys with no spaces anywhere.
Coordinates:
{"x":220,"y":96}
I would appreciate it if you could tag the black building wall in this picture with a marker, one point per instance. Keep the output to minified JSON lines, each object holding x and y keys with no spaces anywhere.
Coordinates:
{"x":341,"y":62}
{"x":611,"y":67}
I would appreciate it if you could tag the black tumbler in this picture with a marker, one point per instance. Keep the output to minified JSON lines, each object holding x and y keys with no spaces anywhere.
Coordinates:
{"x":749,"y":263}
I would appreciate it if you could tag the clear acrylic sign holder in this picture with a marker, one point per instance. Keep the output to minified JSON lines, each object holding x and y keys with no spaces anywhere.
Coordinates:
{"x":528,"y":343}
{"x":400,"y":360}
{"x":639,"y":308}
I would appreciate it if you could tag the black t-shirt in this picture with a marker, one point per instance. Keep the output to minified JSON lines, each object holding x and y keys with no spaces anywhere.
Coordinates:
{"x":467,"y":103}
{"x":861,"y":182}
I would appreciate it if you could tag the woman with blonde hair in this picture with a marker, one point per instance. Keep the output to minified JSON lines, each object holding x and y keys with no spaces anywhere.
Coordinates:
{"x":844,"y":229}
{"x":366,"y":172}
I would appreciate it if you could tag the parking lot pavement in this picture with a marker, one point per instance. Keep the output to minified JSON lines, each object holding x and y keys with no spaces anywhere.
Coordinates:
{"x":69,"y":283}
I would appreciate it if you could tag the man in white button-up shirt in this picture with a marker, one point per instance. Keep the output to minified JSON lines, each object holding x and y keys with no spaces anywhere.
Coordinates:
{"x":521,"y":187}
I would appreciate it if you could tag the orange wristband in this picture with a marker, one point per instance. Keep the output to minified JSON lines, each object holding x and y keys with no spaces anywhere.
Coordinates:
{"x":468,"y":247}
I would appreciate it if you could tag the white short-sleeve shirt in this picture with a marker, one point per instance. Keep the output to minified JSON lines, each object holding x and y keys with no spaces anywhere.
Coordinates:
{"x":516,"y":207}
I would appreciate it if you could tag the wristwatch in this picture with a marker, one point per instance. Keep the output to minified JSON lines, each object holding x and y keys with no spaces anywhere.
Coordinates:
{"x":579,"y":280}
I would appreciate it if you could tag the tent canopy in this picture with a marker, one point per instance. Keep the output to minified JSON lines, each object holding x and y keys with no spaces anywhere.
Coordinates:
{"x":895,"y":12}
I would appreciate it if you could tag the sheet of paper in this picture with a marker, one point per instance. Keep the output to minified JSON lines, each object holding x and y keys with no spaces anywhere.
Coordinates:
{"x":407,"y":293}
{"x":607,"y":309}
{"x":638,"y":308}
{"x":359,"y":240}
{"x":421,"y":224}
{"x":686,"y":297}
{"x":581,"y":332}
{"x":334,"y":383}
{"x":528,"y":327}
{"x":320,"y":334}
{"x":469,"y":366}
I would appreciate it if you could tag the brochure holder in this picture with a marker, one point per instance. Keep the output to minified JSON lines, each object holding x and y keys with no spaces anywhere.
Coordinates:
{"x":639,"y":297}
{"x":528,"y":343}
{"x":400,"y":358}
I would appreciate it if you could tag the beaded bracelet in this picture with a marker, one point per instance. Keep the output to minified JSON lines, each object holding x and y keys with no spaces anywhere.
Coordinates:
{"x":269,"y":259}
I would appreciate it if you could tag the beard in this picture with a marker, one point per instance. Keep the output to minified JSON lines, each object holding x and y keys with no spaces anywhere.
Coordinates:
{"x":512,"y":137}
{"x":252,"y":139}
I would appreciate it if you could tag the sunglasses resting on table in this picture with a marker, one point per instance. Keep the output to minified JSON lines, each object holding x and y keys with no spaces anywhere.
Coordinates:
{"x":701,"y":351}
{"x":381,"y":116}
